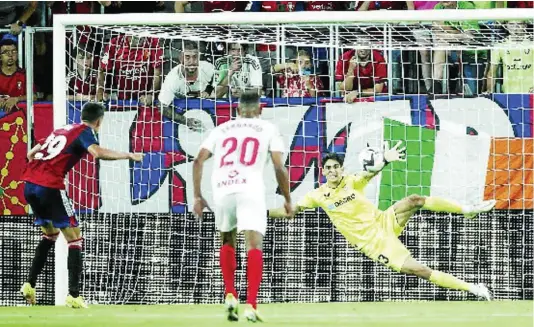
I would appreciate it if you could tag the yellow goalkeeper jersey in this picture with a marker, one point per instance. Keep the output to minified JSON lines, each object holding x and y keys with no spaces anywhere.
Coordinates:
{"x":349,"y":210}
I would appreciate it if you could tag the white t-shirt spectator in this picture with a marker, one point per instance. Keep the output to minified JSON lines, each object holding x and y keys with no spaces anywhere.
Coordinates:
{"x":248,"y":76}
{"x":176,"y":84}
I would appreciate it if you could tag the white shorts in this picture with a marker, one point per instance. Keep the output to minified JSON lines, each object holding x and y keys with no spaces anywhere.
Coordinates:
{"x":242,"y":211}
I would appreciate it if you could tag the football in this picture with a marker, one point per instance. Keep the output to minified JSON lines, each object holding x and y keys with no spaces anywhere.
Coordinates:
{"x":372,"y":159}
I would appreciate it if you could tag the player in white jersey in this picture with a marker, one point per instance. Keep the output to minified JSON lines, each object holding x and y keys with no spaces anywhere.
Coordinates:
{"x":241,"y":149}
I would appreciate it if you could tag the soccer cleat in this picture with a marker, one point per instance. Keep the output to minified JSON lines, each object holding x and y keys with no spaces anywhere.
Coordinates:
{"x":231,"y":303}
{"x":75,"y":302}
{"x":483,"y":292}
{"x":484,"y":206}
{"x":252,"y":315}
{"x":28,"y":292}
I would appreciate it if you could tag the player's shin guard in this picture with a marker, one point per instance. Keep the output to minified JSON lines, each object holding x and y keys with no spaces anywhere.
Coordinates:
{"x":39,"y":260}
{"x":74,"y":265}
{"x":449,"y":281}
{"x":254,"y":275}
{"x":437,"y":204}
{"x":228,"y":266}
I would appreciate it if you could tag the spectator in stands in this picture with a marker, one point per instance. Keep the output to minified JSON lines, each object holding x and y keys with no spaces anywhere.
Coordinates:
{"x":517,"y":59}
{"x":12,"y":77}
{"x":383,"y":5}
{"x":421,"y":5}
{"x":296,"y":78}
{"x":131,"y":68}
{"x":237,"y":72}
{"x":267,"y":53}
{"x":423,"y":37}
{"x":16,"y":14}
{"x":209,"y":6}
{"x":71,"y":7}
{"x":473,"y":62}
{"x":396,"y":55}
{"x":361,"y":72}
{"x":519,"y":4}
{"x":191,"y":78}
{"x":83,"y":78}
{"x":127,"y":7}
{"x":489,"y":4}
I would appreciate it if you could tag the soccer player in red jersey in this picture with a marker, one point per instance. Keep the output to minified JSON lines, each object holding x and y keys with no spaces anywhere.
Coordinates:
{"x":49,"y":162}
{"x":12,"y":78}
{"x":131,"y":65}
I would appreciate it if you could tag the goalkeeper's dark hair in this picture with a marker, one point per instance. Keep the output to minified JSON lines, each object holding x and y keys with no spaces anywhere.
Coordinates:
{"x":92,"y":111}
{"x":333,"y":156}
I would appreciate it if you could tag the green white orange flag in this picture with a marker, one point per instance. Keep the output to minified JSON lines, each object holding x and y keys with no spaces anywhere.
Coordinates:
{"x":456,"y":165}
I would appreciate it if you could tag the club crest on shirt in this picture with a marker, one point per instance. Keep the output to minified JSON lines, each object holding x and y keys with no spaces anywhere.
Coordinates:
{"x":19,"y":85}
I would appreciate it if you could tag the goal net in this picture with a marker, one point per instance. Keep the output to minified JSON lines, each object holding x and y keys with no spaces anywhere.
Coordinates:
{"x":446,"y":90}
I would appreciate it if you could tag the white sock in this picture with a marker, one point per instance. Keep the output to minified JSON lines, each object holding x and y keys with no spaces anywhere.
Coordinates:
{"x":467,"y":208}
{"x":473,"y":288}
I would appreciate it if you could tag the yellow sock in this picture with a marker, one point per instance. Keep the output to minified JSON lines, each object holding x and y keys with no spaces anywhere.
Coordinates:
{"x":449,"y":281}
{"x":436,"y":204}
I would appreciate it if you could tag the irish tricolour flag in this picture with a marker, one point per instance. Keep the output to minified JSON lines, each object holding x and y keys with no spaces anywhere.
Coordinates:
{"x":459,"y":164}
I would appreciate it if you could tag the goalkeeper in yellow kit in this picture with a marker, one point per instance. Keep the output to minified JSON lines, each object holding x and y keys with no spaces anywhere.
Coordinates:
{"x":375,"y":232}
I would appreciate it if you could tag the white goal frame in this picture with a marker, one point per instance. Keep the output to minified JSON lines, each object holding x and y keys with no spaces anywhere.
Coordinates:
{"x":62,"y":22}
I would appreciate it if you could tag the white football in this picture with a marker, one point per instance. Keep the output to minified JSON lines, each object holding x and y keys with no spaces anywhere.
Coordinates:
{"x":372,"y":159}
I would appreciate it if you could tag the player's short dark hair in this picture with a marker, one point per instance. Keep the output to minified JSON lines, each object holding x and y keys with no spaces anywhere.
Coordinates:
{"x":91,"y":111}
{"x":333,"y":156}
{"x":250,"y":98}
{"x":190,"y":46}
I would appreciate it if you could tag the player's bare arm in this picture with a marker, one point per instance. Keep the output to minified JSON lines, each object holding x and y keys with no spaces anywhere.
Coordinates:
{"x":147,"y":99}
{"x":198,"y":169}
{"x":100,"y":86}
{"x":283,"y":212}
{"x":193,"y":123}
{"x":283,"y":181}
{"x":33,"y":151}
{"x":222,"y":87}
{"x":99,"y":152}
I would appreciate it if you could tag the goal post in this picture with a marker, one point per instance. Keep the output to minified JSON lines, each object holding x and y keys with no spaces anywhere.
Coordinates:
{"x":142,"y":245}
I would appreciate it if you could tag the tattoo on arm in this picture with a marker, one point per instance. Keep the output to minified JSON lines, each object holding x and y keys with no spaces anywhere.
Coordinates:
{"x":168,"y":111}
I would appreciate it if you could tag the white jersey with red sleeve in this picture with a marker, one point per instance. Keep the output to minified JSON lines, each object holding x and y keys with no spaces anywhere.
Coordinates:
{"x":241,"y":149}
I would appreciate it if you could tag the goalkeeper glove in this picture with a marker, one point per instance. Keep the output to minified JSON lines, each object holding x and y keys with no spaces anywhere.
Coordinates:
{"x":394,"y":153}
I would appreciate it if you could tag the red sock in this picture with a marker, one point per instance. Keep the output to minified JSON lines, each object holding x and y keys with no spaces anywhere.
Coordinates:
{"x":254,"y":275}
{"x":228,"y":266}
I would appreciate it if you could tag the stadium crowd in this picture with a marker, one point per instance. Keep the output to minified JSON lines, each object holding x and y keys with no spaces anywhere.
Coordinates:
{"x":146,"y":69}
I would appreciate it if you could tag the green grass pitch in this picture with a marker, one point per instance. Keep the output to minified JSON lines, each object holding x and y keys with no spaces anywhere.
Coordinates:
{"x":397,"y":314}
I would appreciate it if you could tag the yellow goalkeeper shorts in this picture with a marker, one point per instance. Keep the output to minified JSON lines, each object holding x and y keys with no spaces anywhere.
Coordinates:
{"x":386,"y":247}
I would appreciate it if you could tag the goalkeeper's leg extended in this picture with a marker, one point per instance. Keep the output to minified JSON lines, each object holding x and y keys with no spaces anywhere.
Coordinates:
{"x":407,"y":207}
{"x":413,"y":267}
{"x":390,"y":251}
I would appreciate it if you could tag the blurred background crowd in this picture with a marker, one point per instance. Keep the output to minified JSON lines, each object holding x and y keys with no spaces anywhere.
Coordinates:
{"x":121,"y":66}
